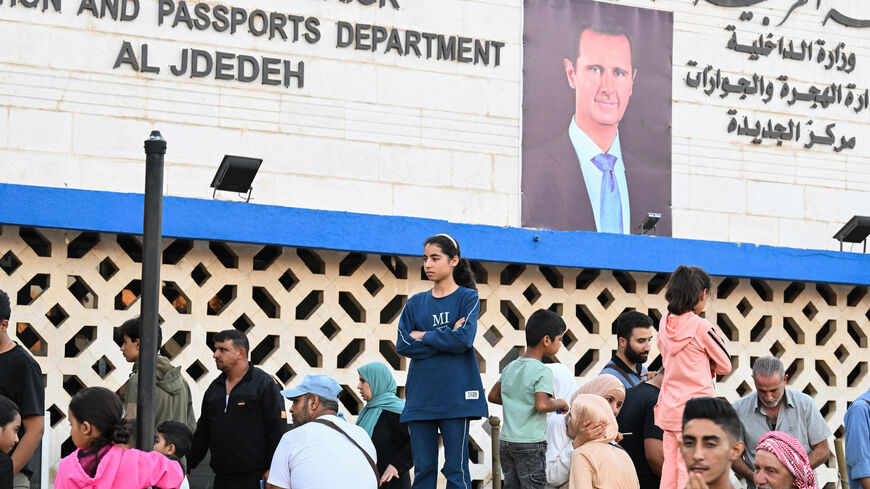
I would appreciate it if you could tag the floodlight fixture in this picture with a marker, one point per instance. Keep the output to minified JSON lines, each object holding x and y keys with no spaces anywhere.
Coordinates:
{"x":854,"y":231}
{"x":235,"y":174}
{"x":649,"y":222}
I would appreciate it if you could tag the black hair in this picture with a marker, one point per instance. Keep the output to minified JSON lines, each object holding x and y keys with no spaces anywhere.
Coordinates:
{"x":685,"y":287}
{"x":606,"y":27}
{"x":178,"y":434}
{"x":627,"y":321}
{"x":5,"y":307}
{"x":543,"y":322}
{"x":132,"y":424}
{"x":132,"y":328}
{"x":716,"y":410}
{"x":329,"y":404}
{"x":462,"y":274}
{"x":240,"y":341}
{"x":103,"y":409}
{"x":8,"y":410}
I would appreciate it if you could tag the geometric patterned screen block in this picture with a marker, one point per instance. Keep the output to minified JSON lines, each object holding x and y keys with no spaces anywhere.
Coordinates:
{"x":316,"y":311}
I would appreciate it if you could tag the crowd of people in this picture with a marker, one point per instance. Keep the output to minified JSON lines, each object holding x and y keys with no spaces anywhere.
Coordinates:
{"x":627,"y":428}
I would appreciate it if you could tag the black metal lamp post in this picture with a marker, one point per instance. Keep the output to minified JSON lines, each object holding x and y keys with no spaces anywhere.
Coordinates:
{"x":152,"y":229}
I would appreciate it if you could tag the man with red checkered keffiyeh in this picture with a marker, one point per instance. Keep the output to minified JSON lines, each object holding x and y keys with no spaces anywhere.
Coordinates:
{"x":781,"y":463}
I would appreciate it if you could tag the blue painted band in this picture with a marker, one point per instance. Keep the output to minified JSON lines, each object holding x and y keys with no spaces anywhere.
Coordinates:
{"x":114,"y":212}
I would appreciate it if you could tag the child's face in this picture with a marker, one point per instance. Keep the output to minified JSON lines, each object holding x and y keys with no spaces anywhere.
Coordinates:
{"x":555,"y":345}
{"x":130,"y":349}
{"x":81,"y":433}
{"x":436,"y":264}
{"x":161,"y":446}
{"x":9,"y":434}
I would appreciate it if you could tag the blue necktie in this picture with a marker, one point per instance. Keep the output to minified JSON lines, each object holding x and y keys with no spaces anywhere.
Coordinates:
{"x":610,"y":212}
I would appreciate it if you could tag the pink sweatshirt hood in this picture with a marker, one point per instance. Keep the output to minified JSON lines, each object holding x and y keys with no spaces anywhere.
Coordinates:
{"x":121,"y":469}
{"x":677,"y":332}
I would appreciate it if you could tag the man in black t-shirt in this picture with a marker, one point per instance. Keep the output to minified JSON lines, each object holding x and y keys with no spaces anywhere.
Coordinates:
{"x":22,"y":382}
{"x":644,"y":444}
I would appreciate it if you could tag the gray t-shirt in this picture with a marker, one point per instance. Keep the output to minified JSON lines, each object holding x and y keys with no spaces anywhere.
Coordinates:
{"x":798,"y":416}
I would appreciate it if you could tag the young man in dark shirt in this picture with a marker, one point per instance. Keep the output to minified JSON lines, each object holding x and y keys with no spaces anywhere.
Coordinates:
{"x":634,"y":332}
{"x":242,"y":418}
{"x":22,"y":382}
{"x":644,"y":444}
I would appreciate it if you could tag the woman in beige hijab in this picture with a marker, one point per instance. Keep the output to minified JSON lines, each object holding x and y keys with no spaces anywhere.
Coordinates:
{"x":563,"y":438}
{"x":609,"y":387}
{"x":600,"y":463}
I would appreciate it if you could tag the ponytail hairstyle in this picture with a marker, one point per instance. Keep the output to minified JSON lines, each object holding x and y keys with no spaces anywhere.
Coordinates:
{"x":462,"y":274}
{"x":8,"y":411}
{"x":101,"y":408}
{"x":685,"y":287}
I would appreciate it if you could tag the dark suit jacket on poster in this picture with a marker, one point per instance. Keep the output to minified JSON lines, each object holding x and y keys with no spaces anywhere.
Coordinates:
{"x":555,"y":196}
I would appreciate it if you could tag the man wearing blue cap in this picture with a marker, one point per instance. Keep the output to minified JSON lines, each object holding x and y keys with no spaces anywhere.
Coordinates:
{"x":323,"y":451}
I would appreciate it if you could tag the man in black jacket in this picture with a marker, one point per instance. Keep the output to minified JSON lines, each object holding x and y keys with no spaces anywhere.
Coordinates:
{"x":242,"y":418}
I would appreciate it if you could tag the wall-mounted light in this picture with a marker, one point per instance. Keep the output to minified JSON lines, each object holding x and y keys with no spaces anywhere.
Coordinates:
{"x":649,"y":222}
{"x":854,"y":231}
{"x":235,"y":174}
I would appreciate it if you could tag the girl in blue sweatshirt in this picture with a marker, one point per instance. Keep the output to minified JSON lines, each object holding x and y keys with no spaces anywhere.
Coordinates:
{"x":443,"y":391}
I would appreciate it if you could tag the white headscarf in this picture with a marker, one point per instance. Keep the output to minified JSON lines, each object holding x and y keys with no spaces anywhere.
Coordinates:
{"x":564,"y":383}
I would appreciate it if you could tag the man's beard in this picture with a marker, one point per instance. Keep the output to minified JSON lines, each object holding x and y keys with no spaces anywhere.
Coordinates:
{"x":764,"y":486}
{"x":771,"y":405}
{"x":304,"y":416}
{"x":635,"y":357}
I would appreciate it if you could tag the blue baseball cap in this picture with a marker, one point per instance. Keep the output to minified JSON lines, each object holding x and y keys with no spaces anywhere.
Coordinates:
{"x":320,"y":385}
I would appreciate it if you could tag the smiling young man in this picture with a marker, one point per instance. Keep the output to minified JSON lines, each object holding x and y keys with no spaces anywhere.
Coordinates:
{"x":710,"y":442}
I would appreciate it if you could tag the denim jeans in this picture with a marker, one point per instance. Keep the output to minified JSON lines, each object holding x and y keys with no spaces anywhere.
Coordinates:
{"x":523,"y":464}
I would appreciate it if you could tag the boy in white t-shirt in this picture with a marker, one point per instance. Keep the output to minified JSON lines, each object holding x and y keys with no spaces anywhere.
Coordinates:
{"x":173,"y":439}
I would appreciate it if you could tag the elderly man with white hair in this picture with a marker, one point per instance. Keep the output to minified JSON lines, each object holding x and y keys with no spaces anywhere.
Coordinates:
{"x":781,"y":463}
{"x":774,"y":407}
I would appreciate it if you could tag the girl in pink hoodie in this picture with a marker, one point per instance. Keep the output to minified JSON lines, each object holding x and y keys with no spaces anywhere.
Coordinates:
{"x":692,"y":354}
{"x":96,"y":424}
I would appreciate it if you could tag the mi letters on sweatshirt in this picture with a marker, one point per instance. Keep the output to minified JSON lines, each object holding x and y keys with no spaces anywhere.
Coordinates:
{"x":443,"y":378}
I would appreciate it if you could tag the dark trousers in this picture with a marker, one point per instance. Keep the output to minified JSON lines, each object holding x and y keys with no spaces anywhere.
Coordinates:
{"x":523,"y":464}
{"x":248,"y":480}
{"x":424,"y":448}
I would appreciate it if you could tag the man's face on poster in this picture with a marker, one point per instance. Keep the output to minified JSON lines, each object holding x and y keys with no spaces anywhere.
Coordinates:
{"x":602,"y":77}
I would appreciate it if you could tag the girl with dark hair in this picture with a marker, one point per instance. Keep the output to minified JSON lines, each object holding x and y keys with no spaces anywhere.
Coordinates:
{"x":693,"y":353}
{"x":443,"y":391}
{"x":10,"y":423}
{"x":97,"y":426}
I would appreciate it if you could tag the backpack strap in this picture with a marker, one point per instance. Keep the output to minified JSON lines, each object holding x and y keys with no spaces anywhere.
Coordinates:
{"x":371,"y":462}
{"x":623,"y":372}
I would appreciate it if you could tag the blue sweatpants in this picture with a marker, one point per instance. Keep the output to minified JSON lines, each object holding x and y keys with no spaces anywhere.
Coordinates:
{"x":424,"y":448}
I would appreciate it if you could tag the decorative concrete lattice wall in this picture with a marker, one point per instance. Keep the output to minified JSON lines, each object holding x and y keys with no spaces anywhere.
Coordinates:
{"x":315,"y":311}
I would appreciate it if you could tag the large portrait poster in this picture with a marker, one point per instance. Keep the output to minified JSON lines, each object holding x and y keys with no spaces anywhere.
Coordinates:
{"x":596,"y":116}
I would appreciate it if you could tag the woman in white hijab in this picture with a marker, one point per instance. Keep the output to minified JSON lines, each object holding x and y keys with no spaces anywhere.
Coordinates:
{"x":558,"y":443}
{"x":598,"y":463}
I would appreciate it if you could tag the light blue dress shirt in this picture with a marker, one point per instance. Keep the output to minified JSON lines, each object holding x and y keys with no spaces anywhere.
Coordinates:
{"x":586,"y":149}
{"x":857,"y":421}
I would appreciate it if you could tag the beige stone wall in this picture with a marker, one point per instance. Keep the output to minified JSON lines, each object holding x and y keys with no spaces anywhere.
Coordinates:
{"x":315,"y":311}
